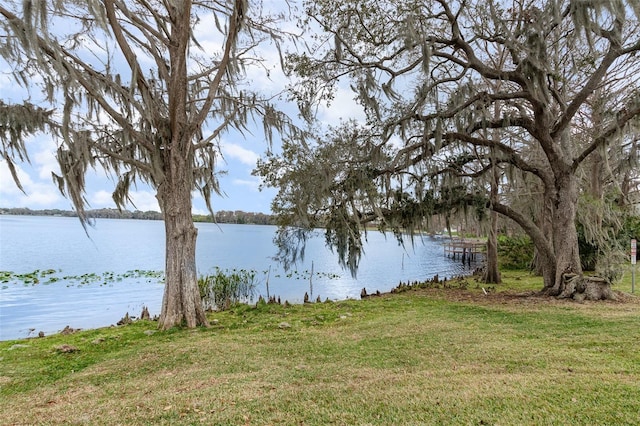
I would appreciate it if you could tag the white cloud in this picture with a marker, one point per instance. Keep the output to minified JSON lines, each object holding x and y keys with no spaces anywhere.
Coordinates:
{"x":210,"y":39}
{"x":268,"y":78}
{"x":253,"y":185}
{"x":142,"y":200}
{"x":342,"y":108}
{"x":245,"y":156}
{"x":46,"y":162}
{"x":145,"y":201}
{"x":396,"y":142}
{"x":38,"y":194}
{"x":101,"y":199}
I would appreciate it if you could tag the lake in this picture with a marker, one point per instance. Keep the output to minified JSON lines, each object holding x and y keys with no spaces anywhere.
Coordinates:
{"x":92,"y":281}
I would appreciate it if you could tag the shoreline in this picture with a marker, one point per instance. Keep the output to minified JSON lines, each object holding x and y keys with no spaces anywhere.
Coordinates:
{"x":128,"y":317}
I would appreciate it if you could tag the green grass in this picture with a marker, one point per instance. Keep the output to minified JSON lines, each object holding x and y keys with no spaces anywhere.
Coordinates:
{"x":434,"y":356}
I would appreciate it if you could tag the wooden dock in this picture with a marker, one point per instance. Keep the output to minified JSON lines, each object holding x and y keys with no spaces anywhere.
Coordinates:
{"x":465,"y":249}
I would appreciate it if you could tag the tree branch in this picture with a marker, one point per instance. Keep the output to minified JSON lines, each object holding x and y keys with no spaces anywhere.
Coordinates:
{"x":129,"y":56}
{"x":623,"y":117}
{"x":235,"y":25}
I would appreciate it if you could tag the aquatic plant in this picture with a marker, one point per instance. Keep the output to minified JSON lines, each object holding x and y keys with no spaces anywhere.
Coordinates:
{"x":225,"y":288}
{"x":50,"y":276}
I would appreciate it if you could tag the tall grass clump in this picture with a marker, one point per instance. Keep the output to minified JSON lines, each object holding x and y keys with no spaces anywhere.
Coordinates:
{"x":223,"y":289}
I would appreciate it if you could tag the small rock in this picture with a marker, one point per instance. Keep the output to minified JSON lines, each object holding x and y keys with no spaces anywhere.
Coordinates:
{"x":41,"y":334}
{"x":150,"y":332}
{"x":98,"y":340}
{"x":215,"y":321}
{"x":69,"y":330}
{"x":284,"y":325}
{"x":66,"y":349}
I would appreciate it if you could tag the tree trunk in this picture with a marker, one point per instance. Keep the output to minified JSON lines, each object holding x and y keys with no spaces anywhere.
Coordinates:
{"x":181,"y":303}
{"x":492,"y":273}
{"x":565,"y":234}
{"x":560,"y":266}
{"x":546,"y":266}
{"x":565,"y":237}
{"x":544,"y":221}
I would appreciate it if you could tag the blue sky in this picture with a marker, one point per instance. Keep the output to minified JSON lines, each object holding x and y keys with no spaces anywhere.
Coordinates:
{"x":240,"y":187}
{"x":240,"y":154}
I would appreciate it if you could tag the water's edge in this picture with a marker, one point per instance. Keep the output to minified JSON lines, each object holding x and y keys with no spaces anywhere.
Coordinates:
{"x":99,"y":279}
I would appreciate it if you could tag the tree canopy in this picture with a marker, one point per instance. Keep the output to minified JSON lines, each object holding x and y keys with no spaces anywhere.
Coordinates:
{"x":453,"y":91}
{"x":141,"y":89}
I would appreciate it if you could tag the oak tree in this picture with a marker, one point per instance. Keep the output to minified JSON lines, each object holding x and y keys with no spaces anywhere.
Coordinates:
{"x":453,"y":90}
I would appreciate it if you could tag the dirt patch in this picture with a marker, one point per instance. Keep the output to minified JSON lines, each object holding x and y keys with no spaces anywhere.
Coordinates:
{"x":495,"y":296}
{"x":532,"y":297}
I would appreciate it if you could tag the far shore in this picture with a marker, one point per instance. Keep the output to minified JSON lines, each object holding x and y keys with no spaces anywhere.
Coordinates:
{"x":222,"y":216}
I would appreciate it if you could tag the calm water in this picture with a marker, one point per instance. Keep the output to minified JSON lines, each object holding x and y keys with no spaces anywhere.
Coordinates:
{"x":116,"y":247}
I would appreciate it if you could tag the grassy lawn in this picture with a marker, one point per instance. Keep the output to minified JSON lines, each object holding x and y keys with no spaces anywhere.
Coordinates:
{"x":432,"y":356}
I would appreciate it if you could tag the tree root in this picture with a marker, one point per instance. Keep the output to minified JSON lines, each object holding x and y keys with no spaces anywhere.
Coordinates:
{"x":580,"y":288}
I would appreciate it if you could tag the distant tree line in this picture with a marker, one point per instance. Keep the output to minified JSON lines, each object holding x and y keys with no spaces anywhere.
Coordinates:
{"x":237,"y":216}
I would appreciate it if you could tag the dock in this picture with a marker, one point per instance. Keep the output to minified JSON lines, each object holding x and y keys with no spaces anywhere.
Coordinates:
{"x":466,"y":249}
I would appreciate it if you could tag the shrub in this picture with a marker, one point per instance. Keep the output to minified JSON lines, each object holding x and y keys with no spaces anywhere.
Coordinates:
{"x":589,"y":251}
{"x":515,"y":252}
{"x":224,"y":289}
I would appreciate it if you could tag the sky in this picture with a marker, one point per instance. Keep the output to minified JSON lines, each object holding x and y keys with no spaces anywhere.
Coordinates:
{"x":240,"y":188}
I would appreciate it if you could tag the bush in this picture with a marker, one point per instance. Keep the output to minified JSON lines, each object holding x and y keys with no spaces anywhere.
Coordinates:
{"x":604,"y":256}
{"x":224,"y":289}
{"x":589,"y":251}
{"x":515,"y":252}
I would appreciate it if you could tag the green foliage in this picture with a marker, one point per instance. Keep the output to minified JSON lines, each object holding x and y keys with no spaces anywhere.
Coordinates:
{"x":631,"y":228}
{"x":515,"y":252}
{"x":588,"y":250}
{"x":223,"y":289}
{"x":604,"y":233}
{"x":343,"y":185}
{"x":617,"y":253}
